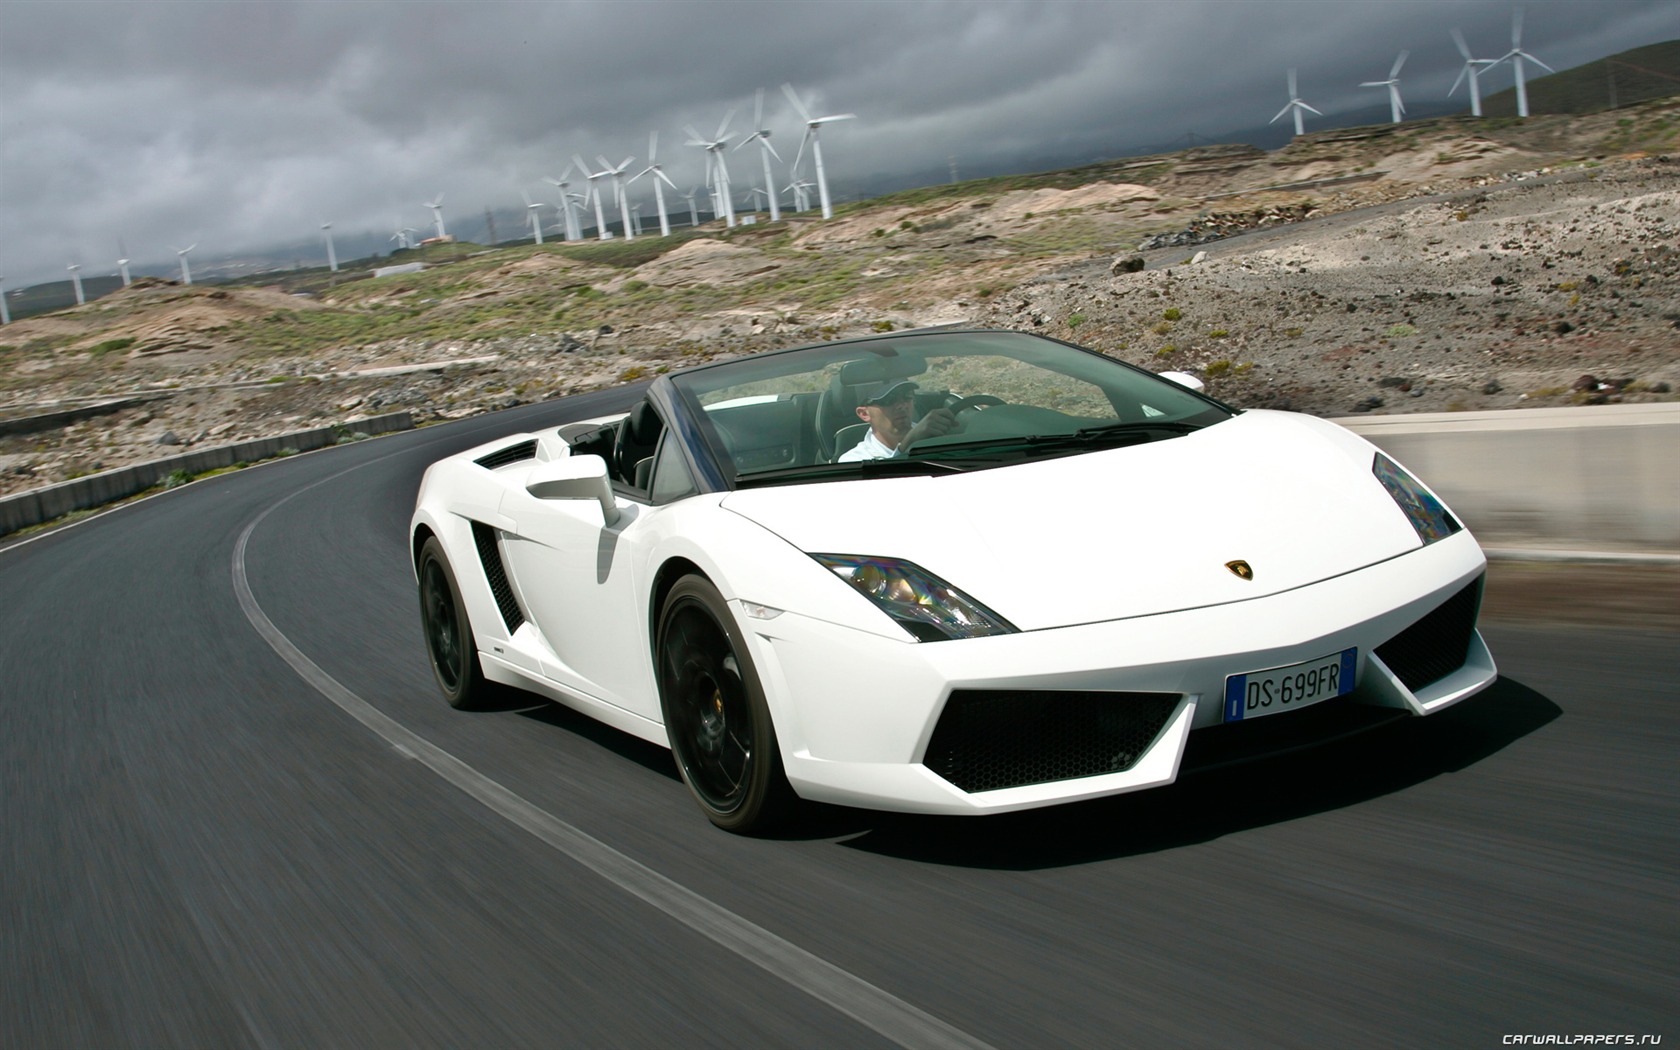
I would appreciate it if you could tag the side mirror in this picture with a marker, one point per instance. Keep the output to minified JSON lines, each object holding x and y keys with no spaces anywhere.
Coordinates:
{"x":1185,"y":379}
{"x":574,"y":477}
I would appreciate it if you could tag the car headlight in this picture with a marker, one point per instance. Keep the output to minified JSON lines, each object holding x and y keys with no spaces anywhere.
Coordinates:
{"x":917,"y":600}
{"x":1429,"y":518}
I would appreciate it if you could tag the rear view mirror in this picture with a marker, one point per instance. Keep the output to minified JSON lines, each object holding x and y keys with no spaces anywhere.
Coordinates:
{"x":1186,"y":380}
{"x":574,"y":477}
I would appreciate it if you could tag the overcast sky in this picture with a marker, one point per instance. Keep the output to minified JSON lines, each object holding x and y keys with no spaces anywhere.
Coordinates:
{"x":155,"y":124}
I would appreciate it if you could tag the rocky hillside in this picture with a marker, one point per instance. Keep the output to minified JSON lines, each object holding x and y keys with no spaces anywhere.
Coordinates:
{"x":1441,"y":265}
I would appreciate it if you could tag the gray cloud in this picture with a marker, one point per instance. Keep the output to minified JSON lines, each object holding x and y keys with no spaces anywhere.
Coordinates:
{"x":244,"y":125}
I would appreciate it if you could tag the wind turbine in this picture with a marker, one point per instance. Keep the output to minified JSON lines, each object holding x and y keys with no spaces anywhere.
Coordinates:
{"x":718,"y":179}
{"x":574,"y":230}
{"x":532,"y":212}
{"x":1395,"y":107}
{"x":811,"y":126}
{"x":1296,"y":105}
{"x":76,"y":279}
{"x":693,"y":212}
{"x":401,"y":235}
{"x":186,"y":271}
{"x":658,"y":177}
{"x":762,"y":135}
{"x":122,"y":267}
{"x":1472,"y":69}
{"x":332,"y":256}
{"x":595,"y":192}
{"x":437,"y":214}
{"x":1516,"y":56}
{"x":618,"y":192}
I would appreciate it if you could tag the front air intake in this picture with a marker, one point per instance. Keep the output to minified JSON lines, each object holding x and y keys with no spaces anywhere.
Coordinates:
{"x":990,"y":739}
{"x":1436,"y":645}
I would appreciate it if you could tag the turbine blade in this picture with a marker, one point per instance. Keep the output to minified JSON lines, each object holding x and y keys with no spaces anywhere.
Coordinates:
{"x":1516,"y":28}
{"x":798,"y":106}
{"x":727,"y":117}
{"x":1309,"y":109}
{"x":1539,"y":63}
{"x":1461,"y":75}
{"x":1397,"y":64}
{"x":1292,"y":91}
{"x":837,"y":116}
{"x":758,"y":111}
{"x":1463,"y":48}
{"x":766,"y":144}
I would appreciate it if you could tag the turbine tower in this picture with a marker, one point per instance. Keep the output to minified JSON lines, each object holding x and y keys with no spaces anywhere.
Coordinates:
{"x":1296,"y":105}
{"x":5,"y":311}
{"x":811,"y":126}
{"x":717,"y":173}
{"x":332,"y":256}
{"x":693,"y":212}
{"x":1472,"y":70}
{"x":532,"y":211}
{"x":76,"y":279}
{"x":573,"y":229}
{"x":1516,"y":56}
{"x":619,"y":194}
{"x":437,"y":214}
{"x":186,"y":271}
{"x":122,"y":268}
{"x":595,"y":192}
{"x":658,"y":177}
{"x":761,"y":134}
{"x":1395,"y":107}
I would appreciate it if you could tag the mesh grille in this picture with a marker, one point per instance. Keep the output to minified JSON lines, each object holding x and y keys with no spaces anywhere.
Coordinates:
{"x":496,"y":575}
{"x":1436,"y":645}
{"x":512,"y":454}
{"x":991,"y":739}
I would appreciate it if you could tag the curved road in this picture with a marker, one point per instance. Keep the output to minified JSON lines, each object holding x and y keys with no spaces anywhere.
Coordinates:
{"x":236,"y":813}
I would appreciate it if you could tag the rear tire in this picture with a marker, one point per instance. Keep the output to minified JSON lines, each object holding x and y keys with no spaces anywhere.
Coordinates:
{"x":449,"y":637}
{"x":716,"y":717}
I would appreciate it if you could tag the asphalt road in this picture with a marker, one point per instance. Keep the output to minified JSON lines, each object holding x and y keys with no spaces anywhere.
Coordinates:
{"x":205,"y":847}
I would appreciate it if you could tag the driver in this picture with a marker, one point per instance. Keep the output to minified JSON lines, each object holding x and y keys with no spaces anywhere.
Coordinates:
{"x":887,"y":407}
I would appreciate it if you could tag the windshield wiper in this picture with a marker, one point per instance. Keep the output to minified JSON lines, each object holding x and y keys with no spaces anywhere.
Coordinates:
{"x":1115,"y":434}
{"x":895,"y":467}
{"x":1085,"y":437}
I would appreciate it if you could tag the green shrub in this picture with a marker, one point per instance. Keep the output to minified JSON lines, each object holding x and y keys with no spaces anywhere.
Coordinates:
{"x":1172,"y":313}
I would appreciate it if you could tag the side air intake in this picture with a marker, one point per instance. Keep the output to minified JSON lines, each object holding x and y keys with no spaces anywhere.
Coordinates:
{"x":484,"y":537}
{"x":512,"y":454}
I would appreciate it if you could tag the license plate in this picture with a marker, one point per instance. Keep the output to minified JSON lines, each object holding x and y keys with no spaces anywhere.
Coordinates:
{"x":1281,"y":689}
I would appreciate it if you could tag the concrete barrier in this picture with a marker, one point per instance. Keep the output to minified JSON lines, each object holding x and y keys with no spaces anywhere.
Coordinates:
{"x":1600,"y":477}
{"x":1604,"y":477}
{"x":54,"y":501}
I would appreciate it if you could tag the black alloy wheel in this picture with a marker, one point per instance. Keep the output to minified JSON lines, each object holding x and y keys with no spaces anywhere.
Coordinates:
{"x":715,"y":713}
{"x":449,"y":637}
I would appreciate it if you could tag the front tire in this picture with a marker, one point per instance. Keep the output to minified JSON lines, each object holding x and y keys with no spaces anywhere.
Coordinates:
{"x":449,"y":636}
{"x":716,"y":717}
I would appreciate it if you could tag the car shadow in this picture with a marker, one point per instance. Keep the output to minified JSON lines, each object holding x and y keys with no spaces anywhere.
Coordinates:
{"x":1205,"y":805}
{"x":625,"y":745}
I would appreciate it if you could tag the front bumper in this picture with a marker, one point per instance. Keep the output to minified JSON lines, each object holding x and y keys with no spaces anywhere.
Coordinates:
{"x":855,"y":712}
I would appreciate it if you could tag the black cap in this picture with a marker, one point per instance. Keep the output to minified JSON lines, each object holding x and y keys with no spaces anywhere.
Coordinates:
{"x":875,"y":393}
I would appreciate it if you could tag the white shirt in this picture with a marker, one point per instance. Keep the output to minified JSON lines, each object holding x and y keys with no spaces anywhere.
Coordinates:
{"x":870,"y":447}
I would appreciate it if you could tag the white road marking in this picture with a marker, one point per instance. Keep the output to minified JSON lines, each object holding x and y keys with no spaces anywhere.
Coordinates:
{"x":885,"y":1013}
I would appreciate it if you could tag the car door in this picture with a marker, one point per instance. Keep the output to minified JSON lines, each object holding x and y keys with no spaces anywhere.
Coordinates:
{"x":577,"y":577}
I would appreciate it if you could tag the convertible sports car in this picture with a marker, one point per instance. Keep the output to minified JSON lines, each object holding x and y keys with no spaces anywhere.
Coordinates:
{"x":1085,"y":578}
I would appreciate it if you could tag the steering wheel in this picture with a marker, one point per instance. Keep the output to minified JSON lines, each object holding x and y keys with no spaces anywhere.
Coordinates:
{"x":963,"y":404}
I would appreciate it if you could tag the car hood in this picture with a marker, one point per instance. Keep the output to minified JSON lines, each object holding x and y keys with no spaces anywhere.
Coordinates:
{"x":1121,"y":532}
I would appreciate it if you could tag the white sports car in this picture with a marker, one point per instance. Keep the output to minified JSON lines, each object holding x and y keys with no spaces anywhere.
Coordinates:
{"x":946,"y":572}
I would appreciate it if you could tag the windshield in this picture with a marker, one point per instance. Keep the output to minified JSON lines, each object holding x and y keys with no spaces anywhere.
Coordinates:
{"x":805,"y":414}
